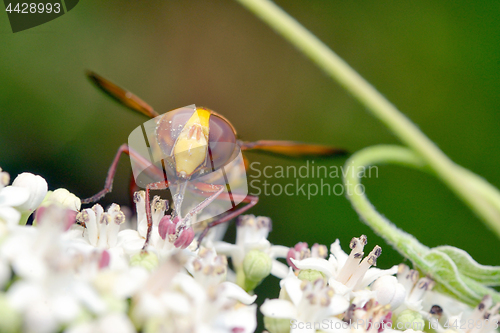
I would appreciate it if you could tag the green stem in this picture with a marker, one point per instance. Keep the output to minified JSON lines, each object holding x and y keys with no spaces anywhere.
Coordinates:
{"x":405,"y":243}
{"x":448,"y":273}
{"x":486,"y":207}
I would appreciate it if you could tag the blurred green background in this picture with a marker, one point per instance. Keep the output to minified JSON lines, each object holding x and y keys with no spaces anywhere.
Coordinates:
{"x":437,"y":62}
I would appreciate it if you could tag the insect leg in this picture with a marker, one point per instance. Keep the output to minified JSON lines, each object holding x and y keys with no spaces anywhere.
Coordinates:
{"x":205,"y":202}
{"x":163,"y":185}
{"x":108,"y":184}
{"x":291,"y":148}
{"x":250,"y":200}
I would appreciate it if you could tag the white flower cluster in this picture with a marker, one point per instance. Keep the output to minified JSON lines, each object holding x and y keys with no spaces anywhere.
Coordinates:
{"x":82,"y":271}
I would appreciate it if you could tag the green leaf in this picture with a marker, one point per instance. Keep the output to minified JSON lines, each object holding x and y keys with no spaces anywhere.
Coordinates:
{"x":444,"y":271}
{"x":487,"y":275}
{"x":481,"y":289}
{"x":454,"y":271}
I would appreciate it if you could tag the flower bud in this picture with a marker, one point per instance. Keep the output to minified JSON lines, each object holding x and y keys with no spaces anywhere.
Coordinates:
{"x":389,"y":291}
{"x":37,"y":187}
{"x":277,"y":325}
{"x":311,"y":275}
{"x":298,"y":252}
{"x":4,"y":179}
{"x":256,"y":266}
{"x":145,"y":259}
{"x":65,"y":198}
{"x":409,"y":319}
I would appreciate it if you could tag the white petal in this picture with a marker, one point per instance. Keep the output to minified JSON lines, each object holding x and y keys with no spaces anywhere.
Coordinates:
{"x":29,"y":266}
{"x":148,"y":306}
{"x":176,"y":302}
{"x":66,"y":198}
{"x":129,"y":282}
{"x":91,"y":230}
{"x":361,"y":297}
{"x":389,"y":291}
{"x":278,"y":308}
{"x":75,"y":233}
{"x":335,"y":325}
{"x":190,"y":287}
{"x":65,"y":308}
{"x":278,"y":251}
{"x":449,"y":305}
{"x":338,"y":305}
{"x":399,"y":296}
{"x":37,"y":187}
{"x":374,"y":273}
{"x":102,"y":228}
{"x":112,"y":233}
{"x":261,"y":245}
{"x":13,"y":196}
{"x":115,"y":323}
{"x":9,"y":215}
{"x":236,"y":252}
{"x":128,"y":235}
{"x":291,"y":284}
{"x":234,"y":291}
{"x":89,"y":297}
{"x":225,"y":248}
{"x":279,"y":269}
{"x":339,"y":254}
{"x":118,"y":259}
{"x":385,"y":288}
{"x":242,"y":319}
{"x":130,"y":241}
{"x":335,"y":265}
{"x":318,"y":264}
{"x":338,"y":287}
{"x":19,"y":241}
{"x":22,"y":294}
{"x":414,"y":305}
{"x":39,"y":318}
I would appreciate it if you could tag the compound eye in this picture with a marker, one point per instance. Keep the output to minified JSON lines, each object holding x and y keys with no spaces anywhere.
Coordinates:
{"x":221,"y":142}
{"x":170,"y":126}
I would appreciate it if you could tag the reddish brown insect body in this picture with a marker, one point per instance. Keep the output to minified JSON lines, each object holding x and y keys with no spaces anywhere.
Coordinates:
{"x":194,"y":145}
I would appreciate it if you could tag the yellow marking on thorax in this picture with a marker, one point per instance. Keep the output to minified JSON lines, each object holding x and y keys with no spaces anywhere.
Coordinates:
{"x":190,"y":150}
